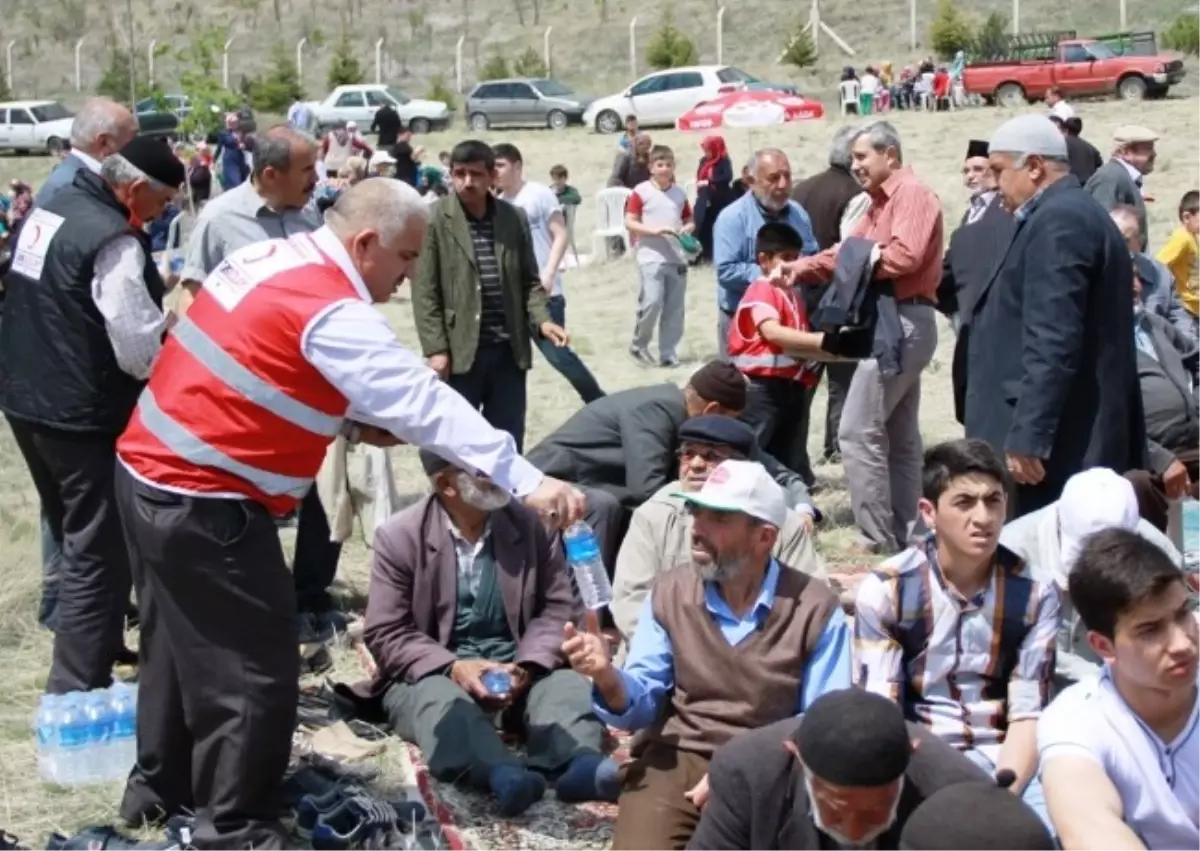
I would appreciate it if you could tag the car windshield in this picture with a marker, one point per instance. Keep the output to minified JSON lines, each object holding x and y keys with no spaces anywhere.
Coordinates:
{"x":50,"y":112}
{"x":735,"y":75}
{"x":397,"y":95}
{"x":552,"y":89}
{"x":1100,"y":50}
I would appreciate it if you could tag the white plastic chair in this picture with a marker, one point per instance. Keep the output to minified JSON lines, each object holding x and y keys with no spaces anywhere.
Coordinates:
{"x":570,"y":212}
{"x":610,"y":219}
{"x":849,"y":91}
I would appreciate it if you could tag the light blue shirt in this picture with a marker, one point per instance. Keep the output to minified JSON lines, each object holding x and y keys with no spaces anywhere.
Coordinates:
{"x":649,"y":672}
{"x":734,"y":236}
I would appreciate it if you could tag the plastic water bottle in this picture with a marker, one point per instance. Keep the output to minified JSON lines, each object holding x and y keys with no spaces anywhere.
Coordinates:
{"x":72,"y":739}
{"x":97,"y":761}
{"x":583,"y":557}
{"x":123,"y":747}
{"x":45,"y":727}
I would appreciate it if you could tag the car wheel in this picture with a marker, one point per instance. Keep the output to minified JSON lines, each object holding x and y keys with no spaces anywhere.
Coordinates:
{"x":1010,"y":95}
{"x":1132,"y":88}
{"x":479,"y":122}
{"x":608,"y":122}
{"x":419,"y":125}
{"x":54,"y":145}
{"x":556,"y":120}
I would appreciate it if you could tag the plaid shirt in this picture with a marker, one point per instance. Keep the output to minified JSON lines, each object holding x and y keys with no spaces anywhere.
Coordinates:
{"x":964,"y":668}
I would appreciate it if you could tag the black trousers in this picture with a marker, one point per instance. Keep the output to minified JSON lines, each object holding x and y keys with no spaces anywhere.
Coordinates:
{"x":219,"y":668}
{"x":777,"y":410}
{"x":316,"y":560}
{"x":837,"y":377}
{"x":496,"y":385}
{"x":73,"y":474}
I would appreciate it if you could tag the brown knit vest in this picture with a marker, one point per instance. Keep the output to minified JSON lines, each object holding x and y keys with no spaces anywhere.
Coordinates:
{"x":723,"y":690}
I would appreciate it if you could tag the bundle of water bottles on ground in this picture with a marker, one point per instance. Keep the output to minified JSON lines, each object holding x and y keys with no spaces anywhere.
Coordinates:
{"x":87,"y":737}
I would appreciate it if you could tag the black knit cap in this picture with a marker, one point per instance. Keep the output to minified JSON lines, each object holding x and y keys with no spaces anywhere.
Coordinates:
{"x":978,"y":814}
{"x":155,"y":160}
{"x":720,"y":382}
{"x":977,"y":148}
{"x":715,"y":430}
{"x":432,"y":463}
{"x":854,"y":738}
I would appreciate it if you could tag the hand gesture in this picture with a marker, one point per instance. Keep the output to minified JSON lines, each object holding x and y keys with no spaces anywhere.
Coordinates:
{"x":556,"y":334}
{"x":587,"y":651}
{"x":665,"y":230}
{"x":467,"y":675}
{"x":1025,"y":469}
{"x":698,"y":794}
{"x":559,"y":503}
{"x":1176,"y":481}
{"x":440,"y":364}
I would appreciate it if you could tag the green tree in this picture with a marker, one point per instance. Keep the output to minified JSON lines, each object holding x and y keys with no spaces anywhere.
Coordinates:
{"x":496,"y":68}
{"x":670,"y":48}
{"x":530,"y":64}
{"x":275,"y":91}
{"x":950,"y":31}
{"x":1184,"y":34}
{"x":800,"y":52}
{"x":114,"y":81}
{"x":344,"y":70}
{"x":438,"y":90}
{"x":198,"y":61}
{"x":992,"y":39}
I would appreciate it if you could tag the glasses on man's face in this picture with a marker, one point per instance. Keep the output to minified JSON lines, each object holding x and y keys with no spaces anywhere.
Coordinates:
{"x":707,"y":454}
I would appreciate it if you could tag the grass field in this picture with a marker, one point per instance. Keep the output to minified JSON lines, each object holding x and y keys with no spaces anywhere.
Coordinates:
{"x":600,"y":309}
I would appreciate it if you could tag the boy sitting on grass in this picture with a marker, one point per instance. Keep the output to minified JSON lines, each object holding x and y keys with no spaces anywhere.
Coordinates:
{"x":568,"y":195}
{"x":771,"y":344}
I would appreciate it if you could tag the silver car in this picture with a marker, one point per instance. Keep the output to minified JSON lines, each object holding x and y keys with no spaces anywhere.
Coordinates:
{"x":524,"y":102}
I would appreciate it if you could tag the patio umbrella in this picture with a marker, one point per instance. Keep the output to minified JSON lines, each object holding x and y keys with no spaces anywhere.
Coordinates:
{"x":749,"y":109}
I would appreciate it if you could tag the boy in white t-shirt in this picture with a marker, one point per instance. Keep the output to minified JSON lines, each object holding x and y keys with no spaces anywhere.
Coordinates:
{"x":657,"y":214}
{"x":548,"y":232}
{"x":1120,"y":753}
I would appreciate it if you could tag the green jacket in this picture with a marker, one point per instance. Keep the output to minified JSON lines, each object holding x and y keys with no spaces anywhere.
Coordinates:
{"x":445,"y":293}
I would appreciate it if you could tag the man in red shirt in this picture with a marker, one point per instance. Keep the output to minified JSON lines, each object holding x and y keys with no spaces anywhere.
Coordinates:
{"x":879,"y":433}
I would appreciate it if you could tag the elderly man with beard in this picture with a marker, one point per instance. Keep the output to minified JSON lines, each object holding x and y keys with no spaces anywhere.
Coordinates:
{"x":763,"y":641}
{"x":660,"y":531}
{"x":847,"y":774}
{"x":469,"y":588}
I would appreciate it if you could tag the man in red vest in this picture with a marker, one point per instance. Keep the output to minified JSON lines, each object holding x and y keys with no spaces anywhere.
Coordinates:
{"x":280,"y":352}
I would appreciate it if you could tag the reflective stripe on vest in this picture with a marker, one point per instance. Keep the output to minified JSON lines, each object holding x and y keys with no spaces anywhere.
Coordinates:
{"x":768,"y":361}
{"x":194,"y":450}
{"x":237,"y":377}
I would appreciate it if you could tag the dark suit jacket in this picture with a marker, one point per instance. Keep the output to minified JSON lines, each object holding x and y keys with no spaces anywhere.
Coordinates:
{"x":1085,"y":160}
{"x":824,"y":197}
{"x":624,"y":443}
{"x":1167,"y":397}
{"x":757,"y":797}
{"x":1051,"y":365}
{"x":414,"y":591}
{"x":446,"y":292}
{"x":61,"y":176}
{"x":1112,"y":186}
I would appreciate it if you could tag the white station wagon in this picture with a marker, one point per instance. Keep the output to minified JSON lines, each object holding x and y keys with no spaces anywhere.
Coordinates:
{"x":34,"y":125}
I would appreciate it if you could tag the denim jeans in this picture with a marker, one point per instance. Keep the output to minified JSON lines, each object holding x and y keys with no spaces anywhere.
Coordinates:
{"x":496,"y":385}
{"x":316,"y":559}
{"x":565,"y":360}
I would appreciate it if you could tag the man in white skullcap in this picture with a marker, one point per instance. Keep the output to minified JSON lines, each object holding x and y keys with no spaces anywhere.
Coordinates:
{"x":1051,"y":370}
{"x":1119,"y":181}
{"x":1050,"y":539}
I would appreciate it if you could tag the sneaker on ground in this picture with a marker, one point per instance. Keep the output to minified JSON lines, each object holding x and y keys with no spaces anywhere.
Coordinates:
{"x":640,"y":355}
{"x":359,"y":822}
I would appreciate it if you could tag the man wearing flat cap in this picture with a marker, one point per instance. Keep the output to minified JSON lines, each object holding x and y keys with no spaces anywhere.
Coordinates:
{"x":83,"y":326}
{"x":849,"y":773}
{"x":1119,"y":181}
{"x":1051,"y":371}
{"x":660,"y":531}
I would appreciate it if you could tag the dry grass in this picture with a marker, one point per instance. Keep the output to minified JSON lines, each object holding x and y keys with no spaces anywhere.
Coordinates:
{"x":600,"y":300}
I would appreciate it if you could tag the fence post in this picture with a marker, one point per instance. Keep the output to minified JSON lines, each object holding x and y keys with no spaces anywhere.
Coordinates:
{"x":912,"y":24}
{"x":225,"y":64}
{"x":150,"y":61}
{"x":633,"y":46}
{"x":300,"y":59}
{"x":1016,"y":17}
{"x":546,"y":49}
{"x":458,"y":63}
{"x":378,"y":61}
{"x":720,"y":35}
{"x":8,"y":68}
{"x":78,"y":65}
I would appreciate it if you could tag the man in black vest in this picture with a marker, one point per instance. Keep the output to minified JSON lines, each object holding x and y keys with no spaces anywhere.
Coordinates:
{"x":83,"y":324}
{"x":976,"y":247}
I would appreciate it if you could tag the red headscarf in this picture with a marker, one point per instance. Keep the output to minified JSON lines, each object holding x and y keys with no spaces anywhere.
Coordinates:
{"x":714,"y":151}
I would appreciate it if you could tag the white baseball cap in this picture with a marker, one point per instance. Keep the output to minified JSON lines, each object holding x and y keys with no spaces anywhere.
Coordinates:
{"x":381,"y":158}
{"x":1091,"y":501}
{"x":745,"y":487}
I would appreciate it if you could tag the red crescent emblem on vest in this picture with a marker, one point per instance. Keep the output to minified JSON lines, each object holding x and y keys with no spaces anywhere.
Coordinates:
{"x":37,"y":235}
{"x":718,"y":476}
{"x":267,"y":255}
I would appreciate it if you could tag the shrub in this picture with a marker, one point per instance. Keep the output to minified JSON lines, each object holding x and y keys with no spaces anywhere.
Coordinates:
{"x":344,"y":70}
{"x":114,"y":81}
{"x":670,"y":48}
{"x":496,"y":68}
{"x":530,"y":64}
{"x":800,"y":51}
{"x":1184,"y":34}
{"x":992,"y":39}
{"x":949,"y":32}
{"x":281,"y":85}
{"x":438,"y":90}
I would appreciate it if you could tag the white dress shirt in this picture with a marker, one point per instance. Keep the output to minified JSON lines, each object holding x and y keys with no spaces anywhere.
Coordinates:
{"x":134,"y":322}
{"x":1062,"y":110}
{"x":92,"y":164}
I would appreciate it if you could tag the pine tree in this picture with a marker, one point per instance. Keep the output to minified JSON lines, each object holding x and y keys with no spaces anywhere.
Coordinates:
{"x":670,"y":48}
{"x":949,"y":32}
{"x":800,"y":51}
{"x":344,"y":70}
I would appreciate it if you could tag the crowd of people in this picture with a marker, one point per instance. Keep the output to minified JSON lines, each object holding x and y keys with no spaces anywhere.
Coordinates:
{"x":1017,"y":669}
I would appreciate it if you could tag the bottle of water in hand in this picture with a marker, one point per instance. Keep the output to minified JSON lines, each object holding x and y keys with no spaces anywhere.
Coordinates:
{"x":583,"y":557}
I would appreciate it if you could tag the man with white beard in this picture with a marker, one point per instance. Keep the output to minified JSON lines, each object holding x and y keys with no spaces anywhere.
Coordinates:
{"x":763,"y":642}
{"x":847,"y":774}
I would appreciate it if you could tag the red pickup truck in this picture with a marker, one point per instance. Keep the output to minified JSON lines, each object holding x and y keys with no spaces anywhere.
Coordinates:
{"x":1078,"y":67}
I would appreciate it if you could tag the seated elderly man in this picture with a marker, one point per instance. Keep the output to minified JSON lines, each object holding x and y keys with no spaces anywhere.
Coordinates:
{"x":847,"y":774}
{"x":1159,"y":294}
{"x":759,"y":642}
{"x":660,"y":531}
{"x":464,"y":618}
{"x":1049,"y":541}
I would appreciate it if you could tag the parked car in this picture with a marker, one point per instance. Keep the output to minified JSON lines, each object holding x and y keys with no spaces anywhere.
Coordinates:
{"x":524,"y":102}
{"x":34,"y":125}
{"x":360,"y":103}
{"x":162,"y":116}
{"x":659,"y":98}
{"x":1077,"y":67}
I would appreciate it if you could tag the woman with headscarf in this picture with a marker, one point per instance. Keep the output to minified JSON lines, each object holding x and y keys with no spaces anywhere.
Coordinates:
{"x":406,"y":168}
{"x":713,"y":190}
{"x":887,"y":81}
